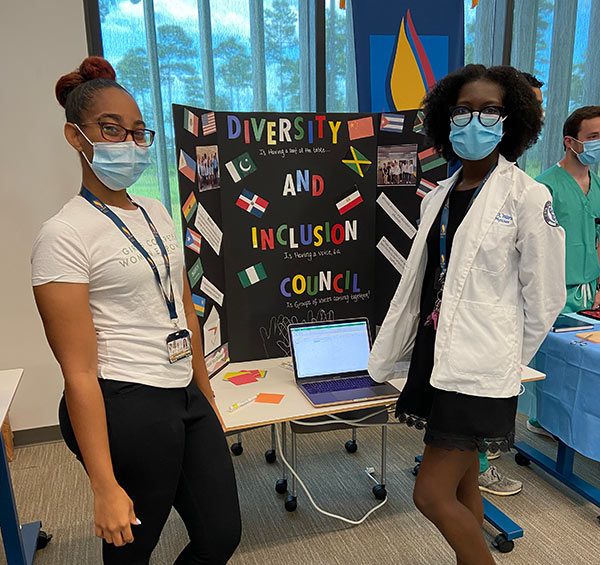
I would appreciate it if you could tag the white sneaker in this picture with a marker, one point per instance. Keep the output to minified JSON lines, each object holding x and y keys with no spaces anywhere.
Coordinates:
{"x":493,"y":482}
{"x":539,"y":430}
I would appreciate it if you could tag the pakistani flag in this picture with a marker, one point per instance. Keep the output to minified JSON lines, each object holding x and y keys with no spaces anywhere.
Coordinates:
{"x":252,"y":275}
{"x":241,"y":167}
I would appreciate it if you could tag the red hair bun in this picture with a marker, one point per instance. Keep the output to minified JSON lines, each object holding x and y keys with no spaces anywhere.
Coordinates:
{"x":90,"y":68}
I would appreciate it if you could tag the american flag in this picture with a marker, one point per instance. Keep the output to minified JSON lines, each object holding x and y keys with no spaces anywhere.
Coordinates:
{"x":209,"y":124}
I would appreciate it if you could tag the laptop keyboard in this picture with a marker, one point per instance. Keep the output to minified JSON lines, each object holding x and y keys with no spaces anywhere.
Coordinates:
{"x":334,"y":385}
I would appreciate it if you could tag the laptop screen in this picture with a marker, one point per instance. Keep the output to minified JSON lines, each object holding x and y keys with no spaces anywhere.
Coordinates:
{"x":330,"y":349}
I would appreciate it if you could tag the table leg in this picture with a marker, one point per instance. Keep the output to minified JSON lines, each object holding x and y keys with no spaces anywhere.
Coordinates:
{"x":561,"y":469}
{"x":19,"y":542}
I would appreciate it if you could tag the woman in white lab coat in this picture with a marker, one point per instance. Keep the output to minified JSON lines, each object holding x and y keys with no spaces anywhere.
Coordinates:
{"x":482,"y":285}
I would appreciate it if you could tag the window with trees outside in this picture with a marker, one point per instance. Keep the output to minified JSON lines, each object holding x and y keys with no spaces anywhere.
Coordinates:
{"x":239,"y":55}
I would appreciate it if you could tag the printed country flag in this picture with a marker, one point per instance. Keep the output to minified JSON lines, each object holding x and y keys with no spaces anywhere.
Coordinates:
{"x":430,"y":159}
{"x":187,"y":165}
{"x":195,"y":273}
{"x":252,"y":203}
{"x":350,"y":201}
{"x":190,"y":121}
{"x":392,"y":122}
{"x":199,"y":304}
{"x":193,"y":240}
{"x":189,"y":206}
{"x":424,"y":187}
{"x":356,"y":161}
{"x":363,"y":127}
{"x":252,"y":275}
{"x":241,"y":167}
{"x":209,"y":124}
{"x":418,"y":125}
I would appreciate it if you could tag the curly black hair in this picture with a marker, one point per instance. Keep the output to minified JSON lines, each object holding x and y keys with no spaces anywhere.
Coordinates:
{"x":523,"y":112}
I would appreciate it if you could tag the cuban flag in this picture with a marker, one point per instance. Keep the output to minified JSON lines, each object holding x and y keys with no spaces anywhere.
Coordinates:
{"x":252,"y":203}
{"x":193,"y":240}
{"x":392,"y":122}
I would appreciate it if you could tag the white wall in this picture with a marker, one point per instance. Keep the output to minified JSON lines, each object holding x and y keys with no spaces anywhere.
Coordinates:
{"x":39,"y":41}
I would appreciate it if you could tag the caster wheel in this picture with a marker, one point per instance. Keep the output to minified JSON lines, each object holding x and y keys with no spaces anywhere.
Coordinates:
{"x":416,"y":468}
{"x":290,"y":503}
{"x":351,"y":446}
{"x":270,"y":456}
{"x":43,"y":540}
{"x":522,"y":460}
{"x":237,"y":449}
{"x":281,"y":486}
{"x":379,"y":492}
{"x":502,"y":544}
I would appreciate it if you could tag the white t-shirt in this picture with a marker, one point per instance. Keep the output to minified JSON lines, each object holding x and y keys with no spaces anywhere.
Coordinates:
{"x":82,"y":245}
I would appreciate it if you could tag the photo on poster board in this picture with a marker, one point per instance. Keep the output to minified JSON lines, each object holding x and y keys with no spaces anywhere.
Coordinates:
{"x":397,"y":165}
{"x":207,"y":161}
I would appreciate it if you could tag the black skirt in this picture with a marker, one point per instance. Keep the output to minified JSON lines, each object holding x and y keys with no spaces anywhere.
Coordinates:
{"x":452,"y":420}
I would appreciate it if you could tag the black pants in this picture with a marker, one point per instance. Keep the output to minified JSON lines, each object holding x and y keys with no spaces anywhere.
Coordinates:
{"x":168,"y":450}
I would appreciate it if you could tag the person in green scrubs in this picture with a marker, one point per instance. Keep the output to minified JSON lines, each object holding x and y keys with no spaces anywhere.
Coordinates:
{"x":575,"y":192}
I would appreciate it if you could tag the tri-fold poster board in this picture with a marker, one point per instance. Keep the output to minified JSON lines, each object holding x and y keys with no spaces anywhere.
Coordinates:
{"x":295,"y":217}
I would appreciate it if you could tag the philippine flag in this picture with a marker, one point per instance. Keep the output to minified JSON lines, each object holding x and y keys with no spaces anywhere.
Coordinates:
{"x":252,"y":203}
{"x":187,"y":165}
{"x":193,"y":240}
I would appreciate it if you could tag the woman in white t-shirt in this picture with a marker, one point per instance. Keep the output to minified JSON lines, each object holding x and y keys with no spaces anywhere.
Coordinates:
{"x":109,"y":281}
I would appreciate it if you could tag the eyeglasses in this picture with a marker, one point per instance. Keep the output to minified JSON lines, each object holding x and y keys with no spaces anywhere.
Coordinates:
{"x":116,"y":133}
{"x":489,"y":116}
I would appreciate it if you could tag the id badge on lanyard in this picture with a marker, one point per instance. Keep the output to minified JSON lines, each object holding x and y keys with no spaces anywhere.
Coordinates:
{"x":178,"y":343}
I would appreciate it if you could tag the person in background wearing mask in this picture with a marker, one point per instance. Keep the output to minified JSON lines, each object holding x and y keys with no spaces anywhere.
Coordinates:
{"x":576,"y":193}
{"x":483,"y":283}
{"x":138,"y":410}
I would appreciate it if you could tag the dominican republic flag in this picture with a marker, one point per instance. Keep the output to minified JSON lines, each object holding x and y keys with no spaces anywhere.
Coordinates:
{"x":350,"y":201}
{"x":190,"y":121}
{"x":193,"y":240}
{"x":424,"y":187}
{"x":430,"y":159}
{"x":187,"y":165}
{"x":252,"y":203}
{"x":252,"y":275}
{"x":392,"y":122}
{"x":209,"y":124}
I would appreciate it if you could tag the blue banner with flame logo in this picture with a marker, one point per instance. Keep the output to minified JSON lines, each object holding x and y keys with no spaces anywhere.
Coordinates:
{"x":402,"y":48}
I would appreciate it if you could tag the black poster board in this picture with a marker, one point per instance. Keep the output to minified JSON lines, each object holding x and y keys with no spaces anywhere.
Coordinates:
{"x":294,"y":198}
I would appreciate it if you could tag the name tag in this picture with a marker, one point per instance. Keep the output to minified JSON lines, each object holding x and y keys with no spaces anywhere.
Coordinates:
{"x":179,"y":346}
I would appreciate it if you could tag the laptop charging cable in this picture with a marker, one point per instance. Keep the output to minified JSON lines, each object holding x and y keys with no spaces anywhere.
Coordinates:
{"x":369,"y":470}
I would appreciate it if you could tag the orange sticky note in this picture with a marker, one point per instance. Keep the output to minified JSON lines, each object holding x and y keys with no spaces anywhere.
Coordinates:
{"x":268,"y":398}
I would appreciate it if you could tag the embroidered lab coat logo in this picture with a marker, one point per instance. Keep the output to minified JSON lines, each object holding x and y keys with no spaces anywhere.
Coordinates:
{"x":549,"y":215}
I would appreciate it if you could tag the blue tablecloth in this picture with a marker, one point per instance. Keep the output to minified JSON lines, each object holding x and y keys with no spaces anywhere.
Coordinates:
{"x":567,"y":402}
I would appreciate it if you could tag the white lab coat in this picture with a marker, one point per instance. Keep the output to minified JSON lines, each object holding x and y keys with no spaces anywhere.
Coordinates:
{"x":505,"y":286}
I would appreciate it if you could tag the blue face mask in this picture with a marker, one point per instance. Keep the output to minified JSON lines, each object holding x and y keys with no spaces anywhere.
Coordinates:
{"x":118,"y":165}
{"x":591,"y":152}
{"x":475,"y":141}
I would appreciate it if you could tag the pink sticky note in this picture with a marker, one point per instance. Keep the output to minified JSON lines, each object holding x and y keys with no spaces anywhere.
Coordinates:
{"x":243,"y":379}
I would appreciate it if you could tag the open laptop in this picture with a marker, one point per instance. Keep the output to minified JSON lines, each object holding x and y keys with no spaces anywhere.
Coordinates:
{"x":330,"y":362}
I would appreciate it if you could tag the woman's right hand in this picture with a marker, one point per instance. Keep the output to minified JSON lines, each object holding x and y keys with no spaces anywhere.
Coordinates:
{"x":114,"y":515}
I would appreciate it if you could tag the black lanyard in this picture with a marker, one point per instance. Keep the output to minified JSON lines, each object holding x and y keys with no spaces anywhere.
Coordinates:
{"x":97,"y":203}
{"x":444,"y":223}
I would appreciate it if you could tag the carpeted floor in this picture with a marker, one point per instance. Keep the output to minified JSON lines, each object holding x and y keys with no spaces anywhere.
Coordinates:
{"x":560,"y":527}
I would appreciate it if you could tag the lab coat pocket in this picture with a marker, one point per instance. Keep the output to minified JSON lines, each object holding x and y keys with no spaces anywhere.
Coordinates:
{"x":483,"y":339}
{"x":493,"y":252}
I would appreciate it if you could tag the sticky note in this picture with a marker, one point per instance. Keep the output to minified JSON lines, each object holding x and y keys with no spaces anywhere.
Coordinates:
{"x":243,"y":379}
{"x":268,"y":398}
